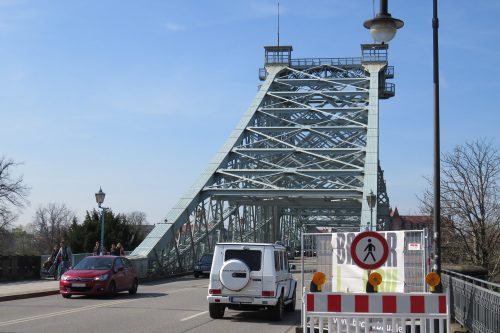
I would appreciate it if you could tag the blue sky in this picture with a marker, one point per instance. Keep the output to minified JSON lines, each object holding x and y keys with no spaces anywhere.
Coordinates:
{"x":137,"y":96}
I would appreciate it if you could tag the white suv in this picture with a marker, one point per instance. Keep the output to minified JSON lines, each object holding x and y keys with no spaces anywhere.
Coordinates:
{"x":246,"y":276}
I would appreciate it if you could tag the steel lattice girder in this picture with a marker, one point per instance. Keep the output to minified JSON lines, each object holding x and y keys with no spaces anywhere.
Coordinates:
{"x":297,"y":158}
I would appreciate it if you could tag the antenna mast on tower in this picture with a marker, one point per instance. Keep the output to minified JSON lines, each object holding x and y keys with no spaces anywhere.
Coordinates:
{"x":278,"y":23}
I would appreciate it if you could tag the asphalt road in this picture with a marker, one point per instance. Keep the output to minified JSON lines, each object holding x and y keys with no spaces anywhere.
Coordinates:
{"x":162,"y":306}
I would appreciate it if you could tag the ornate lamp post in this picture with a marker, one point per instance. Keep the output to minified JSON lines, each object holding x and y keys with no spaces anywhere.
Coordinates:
{"x":383,"y":28}
{"x":99,"y":197}
{"x":372,"y":201}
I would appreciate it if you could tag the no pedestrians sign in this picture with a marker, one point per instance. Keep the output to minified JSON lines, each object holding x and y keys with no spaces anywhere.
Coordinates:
{"x":369,"y":250}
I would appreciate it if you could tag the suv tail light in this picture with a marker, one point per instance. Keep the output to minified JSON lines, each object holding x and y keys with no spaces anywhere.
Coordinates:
{"x":214,"y":291}
{"x":267,"y":293}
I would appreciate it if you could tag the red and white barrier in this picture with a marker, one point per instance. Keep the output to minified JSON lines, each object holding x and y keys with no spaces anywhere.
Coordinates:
{"x":376,"y":312}
{"x":376,"y":303}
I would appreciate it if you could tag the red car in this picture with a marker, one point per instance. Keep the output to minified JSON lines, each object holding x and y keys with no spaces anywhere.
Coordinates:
{"x":99,"y":275}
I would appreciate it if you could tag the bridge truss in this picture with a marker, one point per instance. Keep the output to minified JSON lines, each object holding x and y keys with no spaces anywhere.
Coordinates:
{"x":304,"y":156}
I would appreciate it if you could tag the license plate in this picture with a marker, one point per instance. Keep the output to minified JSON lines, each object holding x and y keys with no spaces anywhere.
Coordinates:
{"x":241,"y":299}
{"x":78,"y":285}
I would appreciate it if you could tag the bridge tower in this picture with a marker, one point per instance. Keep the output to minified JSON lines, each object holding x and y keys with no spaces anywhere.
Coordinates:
{"x":304,"y":155}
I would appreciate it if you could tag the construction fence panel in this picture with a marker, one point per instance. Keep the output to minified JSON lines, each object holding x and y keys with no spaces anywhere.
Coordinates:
{"x":404,"y":271}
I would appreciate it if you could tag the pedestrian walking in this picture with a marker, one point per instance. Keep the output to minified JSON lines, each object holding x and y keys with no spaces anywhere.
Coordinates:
{"x":97,"y":249}
{"x":114,"y":251}
{"x":50,"y":260}
{"x":120,"y":249}
{"x":64,"y":256}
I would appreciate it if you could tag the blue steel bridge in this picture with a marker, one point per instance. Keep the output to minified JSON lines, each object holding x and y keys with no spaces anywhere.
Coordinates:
{"x":305,"y":154}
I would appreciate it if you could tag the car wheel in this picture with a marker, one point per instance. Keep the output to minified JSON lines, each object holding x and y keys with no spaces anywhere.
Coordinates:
{"x":290,"y":307}
{"x":216,"y":310}
{"x":196,"y":274}
{"x":135,"y":285}
{"x":112,"y":289}
{"x":66,"y":295}
{"x":276,"y":311}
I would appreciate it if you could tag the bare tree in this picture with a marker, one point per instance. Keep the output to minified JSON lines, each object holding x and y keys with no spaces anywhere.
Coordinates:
{"x":136,"y":218}
{"x":13,"y":193}
{"x":50,"y":224}
{"x":470,"y":204}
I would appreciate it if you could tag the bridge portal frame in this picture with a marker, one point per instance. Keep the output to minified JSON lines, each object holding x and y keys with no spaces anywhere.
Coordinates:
{"x":304,"y":155}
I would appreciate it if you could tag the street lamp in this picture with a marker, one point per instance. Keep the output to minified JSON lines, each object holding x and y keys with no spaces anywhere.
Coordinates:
{"x":372,"y":200}
{"x":383,"y":27}
{"x":437,"y":160}
{"x":99,"y":197}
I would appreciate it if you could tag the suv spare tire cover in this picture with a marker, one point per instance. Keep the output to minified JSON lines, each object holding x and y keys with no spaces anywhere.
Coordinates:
{"x":234,"y":274}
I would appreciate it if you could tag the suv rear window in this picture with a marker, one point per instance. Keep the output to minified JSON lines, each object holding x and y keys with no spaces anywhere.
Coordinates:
{"x":252,"y":258}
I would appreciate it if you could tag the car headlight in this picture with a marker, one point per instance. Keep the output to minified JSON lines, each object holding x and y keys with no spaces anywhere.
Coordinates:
{"x":64,"y":277}
{"x":103,"y":277}
{"x":196,"y":267}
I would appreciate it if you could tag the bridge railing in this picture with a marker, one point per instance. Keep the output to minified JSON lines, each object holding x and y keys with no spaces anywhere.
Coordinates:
{"x":308,"y":62}
{"x":475,"y":303}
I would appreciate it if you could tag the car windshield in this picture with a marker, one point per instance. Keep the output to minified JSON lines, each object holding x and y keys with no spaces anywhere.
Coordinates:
{"x":206,"y":259}
{"x":96,"y":263}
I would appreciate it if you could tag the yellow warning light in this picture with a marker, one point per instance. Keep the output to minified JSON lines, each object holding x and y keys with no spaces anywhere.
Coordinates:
{"x":375,"y":279}
{"x":432,"y":279}
{"x":319,"y":278}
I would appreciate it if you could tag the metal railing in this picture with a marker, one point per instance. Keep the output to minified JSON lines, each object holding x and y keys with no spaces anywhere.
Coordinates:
{"x":19,"y":267}
{"x":262,"y":74}
{"x":390,"y":88}
{"x":389,"y":72}
{"x":308,"y":62}
{"x":374,"y":53}
{"x":475,"y":303}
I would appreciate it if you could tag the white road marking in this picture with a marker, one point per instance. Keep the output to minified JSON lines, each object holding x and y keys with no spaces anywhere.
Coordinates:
{"x":194,"y":316}
{"x":60,"y":313}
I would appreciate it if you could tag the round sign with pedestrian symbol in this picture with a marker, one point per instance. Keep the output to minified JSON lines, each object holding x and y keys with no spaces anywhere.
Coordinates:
{"x":369,"y":250}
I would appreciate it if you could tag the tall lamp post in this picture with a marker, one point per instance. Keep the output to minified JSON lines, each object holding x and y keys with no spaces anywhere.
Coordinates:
{"x":372,"y":200}
{"x":437,"y":154}
{"x":99,"y":197}
{"x":383,"y":28}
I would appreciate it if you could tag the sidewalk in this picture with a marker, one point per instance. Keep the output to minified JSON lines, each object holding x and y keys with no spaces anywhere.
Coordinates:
{"x":27,"y":289}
